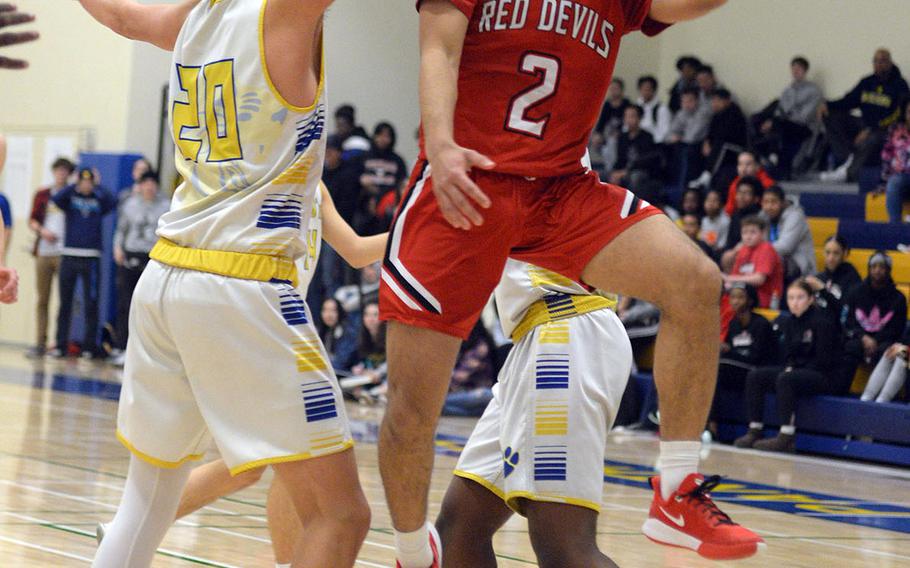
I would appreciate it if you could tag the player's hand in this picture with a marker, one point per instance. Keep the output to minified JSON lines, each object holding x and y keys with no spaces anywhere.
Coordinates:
{"x":9,"y":285}
{"x":454,"y":188}
{"x":11,"y":16}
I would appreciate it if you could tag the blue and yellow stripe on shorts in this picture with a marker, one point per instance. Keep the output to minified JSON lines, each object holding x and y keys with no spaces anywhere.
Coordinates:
{"x":552,"y":310}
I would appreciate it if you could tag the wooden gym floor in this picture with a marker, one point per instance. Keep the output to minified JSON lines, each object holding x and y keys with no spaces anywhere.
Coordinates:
{"x":61,"y":471}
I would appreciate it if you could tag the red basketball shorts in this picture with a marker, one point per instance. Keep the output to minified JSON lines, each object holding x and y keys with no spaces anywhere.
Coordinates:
{"x":439,"y":277}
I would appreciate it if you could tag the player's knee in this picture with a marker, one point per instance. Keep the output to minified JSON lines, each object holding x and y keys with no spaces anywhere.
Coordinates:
{"x":554,"y":549}
{"x":251,"y":477}
{"x":696,"y":290}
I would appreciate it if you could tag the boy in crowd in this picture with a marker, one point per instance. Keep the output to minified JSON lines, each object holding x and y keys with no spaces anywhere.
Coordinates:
{"x":758,"y":264}
{"x":715,"y":225}
{"x":789,"y":233}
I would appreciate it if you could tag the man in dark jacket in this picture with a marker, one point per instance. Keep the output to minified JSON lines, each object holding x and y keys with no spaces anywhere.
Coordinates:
{"x":727,"y":137}
{"x":85,"y":204}
{"x":638,"y":160}
{"x":858,"y":142}
{"x":875,"y":314}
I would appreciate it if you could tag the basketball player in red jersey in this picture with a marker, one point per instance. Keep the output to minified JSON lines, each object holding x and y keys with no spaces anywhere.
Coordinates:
{"x":510,"y":90}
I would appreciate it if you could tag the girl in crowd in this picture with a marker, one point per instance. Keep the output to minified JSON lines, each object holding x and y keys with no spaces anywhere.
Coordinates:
{"x":334,"y":332}
{"x":889,"y":375}
{"x":838,"y":278}
{"x":809,"y":345}
{"x":896,"y":165}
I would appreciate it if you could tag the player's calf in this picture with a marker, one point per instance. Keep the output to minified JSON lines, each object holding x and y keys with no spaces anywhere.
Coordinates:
{"x":564,"y":536}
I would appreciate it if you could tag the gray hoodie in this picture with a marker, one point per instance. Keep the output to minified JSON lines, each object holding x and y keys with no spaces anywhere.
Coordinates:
{"x":792,"y":239}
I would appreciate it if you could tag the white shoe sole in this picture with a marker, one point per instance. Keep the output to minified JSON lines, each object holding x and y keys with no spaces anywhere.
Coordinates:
{"x":665,"y":534}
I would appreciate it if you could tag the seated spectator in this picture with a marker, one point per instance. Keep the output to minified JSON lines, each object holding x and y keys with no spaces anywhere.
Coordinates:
{"x":789,"y":233}
{"x":354,"y":296}
{"x":746,"y":166}
{"x":691,"y":202}
{"x":688,"y":67}
{"x":715,"y":225}
{"x":367,"y":364}
{"x":687,"y":132}
{"x":337,"y":336}
{"x":809,"y":344}
{"x":133,"y":241}
{"x":727,"y":137}
{"x":783,"y":126}
{"x":383,"y":173}
{"x":889,"y":375}
{"x":691,"y":226}
{"x":609,"y":124}
{"x":747,"y":202}
{"x":352,"y":137}
{"x":857,"y":142}
{"x":47,"y":221}
{"x":749,"y":343}
{"x":876,"y":314}
{"x":656,"y":115}
{"x":837,"y":280}
{"x":84,"y":205}
{"x":896,"y":165}
{"x":708,"y":85}
{"x":342,"y":179}
{"x":758,"y":264}
{"x":471,"y":388}
{"x":638,"y":160}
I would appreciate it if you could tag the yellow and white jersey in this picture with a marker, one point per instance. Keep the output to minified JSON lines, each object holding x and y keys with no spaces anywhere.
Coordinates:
{"x":251,"y":162}
{"x":306,"y":264}
{"x":528,"y":296}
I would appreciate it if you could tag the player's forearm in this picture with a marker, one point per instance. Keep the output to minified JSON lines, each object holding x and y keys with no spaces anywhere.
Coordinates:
{"x":113,"y":14}
{"x":367,"y":250}
{"x":670,"y":11}
{"x":156,"y":24}
{"x":442,"y":31}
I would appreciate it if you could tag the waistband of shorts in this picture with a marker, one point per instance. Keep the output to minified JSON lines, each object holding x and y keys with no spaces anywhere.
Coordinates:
{"x":559,"y":307}
{"x":242,"y":265}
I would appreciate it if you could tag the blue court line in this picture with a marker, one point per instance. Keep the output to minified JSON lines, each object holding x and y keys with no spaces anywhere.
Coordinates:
{"x":769,"y":497}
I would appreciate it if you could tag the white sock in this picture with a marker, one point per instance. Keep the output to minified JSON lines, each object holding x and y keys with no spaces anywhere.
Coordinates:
{"x":413,"y":548}
{"x":788,"y":430}
{"x":677,"y":461}
{"x":756,"y":426}
{"x":282,"y":566}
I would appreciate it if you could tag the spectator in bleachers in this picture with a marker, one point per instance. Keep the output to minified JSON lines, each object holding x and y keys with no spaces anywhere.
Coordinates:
{"x":687,"y":132}
{"x":352,"y":137}
{"x":337,"y":336}
{"x":638,"y":159}
{"x":889,"y":375}
{"x":688,"y":67}
{"x":788,"y":233}
{"x":708,"y":85}
{"x":84,"y":204}
{"x":342,"y":179}
{"x":857,"y":142}
{"x":657,"y":116}
{"x":364,"y":292}
{"x":139,"y":169}
{"x":783,"y":126}
{"x":133,"y":241}
{"x":715,"y":225}
{"x":609,"y":125}
{"x":369,"y":359}
{"x":757,"y":263}
{"x":382,"y":175}
{"x":747,"y":203}
{"x":691,"y":226}
{"x":875,"y":315}
{"x":896,"y":165}
{"x":48,"y":222}
{"x":727,"y":137}
{"x":837,"y":280}
{"x":748,"y":344}
{"x":471,"y":389}
{"x":747,"y":165}
{"x":809,"y":345}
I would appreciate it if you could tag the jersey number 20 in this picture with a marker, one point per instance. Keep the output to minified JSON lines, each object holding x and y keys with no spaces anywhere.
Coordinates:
{"x":546,"y":68}
{"x":216,"y":82}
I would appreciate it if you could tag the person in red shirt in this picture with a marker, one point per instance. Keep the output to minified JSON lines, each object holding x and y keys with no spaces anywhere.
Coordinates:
{"x":510,"y":92}
{"x":746,"y":166}
{"x":758,"y":264}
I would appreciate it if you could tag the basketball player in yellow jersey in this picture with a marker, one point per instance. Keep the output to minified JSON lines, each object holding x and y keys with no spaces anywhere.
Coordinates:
{"x":221,"y":342}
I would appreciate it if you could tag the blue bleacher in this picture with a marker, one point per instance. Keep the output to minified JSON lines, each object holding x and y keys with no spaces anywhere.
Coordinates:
{"x":836,"y":426}
{"x":861,"y":234}
{"x":844,"y":206}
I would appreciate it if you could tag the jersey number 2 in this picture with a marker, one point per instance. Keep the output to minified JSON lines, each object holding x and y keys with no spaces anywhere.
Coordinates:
{"x":219,"y":109}
{"x":546,"y":69}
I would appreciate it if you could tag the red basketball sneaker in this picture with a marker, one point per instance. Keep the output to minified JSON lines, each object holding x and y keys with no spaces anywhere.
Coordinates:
{"x":690,"y":519}
{"x":435,"y":546}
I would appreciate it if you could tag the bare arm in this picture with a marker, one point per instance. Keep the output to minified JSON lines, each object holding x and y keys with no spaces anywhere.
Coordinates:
{"x":672,"y":11}
{"x":356,"y":250}
{"x":158,"y":24}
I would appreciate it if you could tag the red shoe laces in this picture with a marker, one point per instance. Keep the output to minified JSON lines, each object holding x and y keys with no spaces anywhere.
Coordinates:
{"x":701,"y":496}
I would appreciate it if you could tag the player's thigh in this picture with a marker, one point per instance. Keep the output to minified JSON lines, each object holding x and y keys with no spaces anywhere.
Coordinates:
{"x":261,"y":376}
{"x":328,"y":485}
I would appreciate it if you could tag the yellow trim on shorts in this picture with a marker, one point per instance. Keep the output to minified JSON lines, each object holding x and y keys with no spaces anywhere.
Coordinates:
{"x":480,"y":481}
{"x":243,"y":265}
{"x":291,"y":458}
{"x":153,"y":460}
{"x":512,"y":497}
{"x":539,"y":313}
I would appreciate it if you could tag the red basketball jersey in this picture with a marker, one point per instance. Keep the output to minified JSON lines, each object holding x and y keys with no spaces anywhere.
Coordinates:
{"x":534,"y":75}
